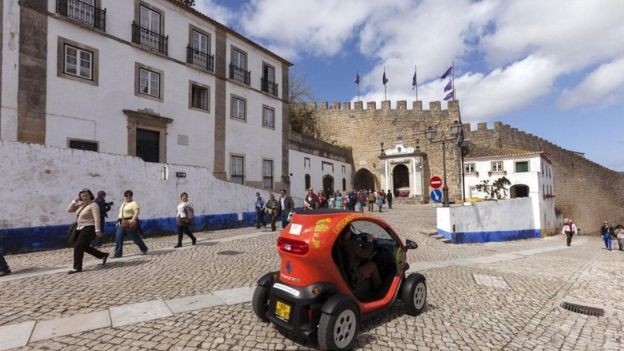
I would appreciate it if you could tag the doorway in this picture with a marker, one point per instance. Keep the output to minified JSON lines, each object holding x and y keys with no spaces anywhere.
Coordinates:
{"x":364,"y":180}
{"x":400,"y":180}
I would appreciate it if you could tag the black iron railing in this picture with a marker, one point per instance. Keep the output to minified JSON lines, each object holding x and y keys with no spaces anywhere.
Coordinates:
{"x":149,"y":39}
{"x":200,"y":58}
{"x":82,"y":12}
{"x":269,"y":86}
{"x":240,"y":74}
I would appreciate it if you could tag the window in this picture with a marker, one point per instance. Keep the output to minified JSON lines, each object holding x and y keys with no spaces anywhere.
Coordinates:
{"x":239,"y":59}
{"x":238,"y":108}
{"x":148,"y":145}
{"x":469,"y":168}
{"x":237,"y":169}
{"x":200,"y":97}
{"x":522,"y":167}
{"x":78,"y":62}
{"x":83,"y":145}
{"x":199,"y":42}
{"x":307,"y":163}
{"x":344,"y":184}
{"x":150,"y":23}
{"x":497,"y":166}
{"x":149,"y":82}
{"x":199,"y":49}
{"x":344,"y":169}
{"x":307,"y":182}
{"x":268,"y":79}
{"x":267,"y":174}
{"x":328,"y":165}
{"x":268,"y":117}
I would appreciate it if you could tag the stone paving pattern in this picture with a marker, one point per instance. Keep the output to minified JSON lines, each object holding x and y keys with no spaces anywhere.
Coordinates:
{"x":461,"y":314}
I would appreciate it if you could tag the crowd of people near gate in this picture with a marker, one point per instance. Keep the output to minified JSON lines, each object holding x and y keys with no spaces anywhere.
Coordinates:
{"x":354,"y":200}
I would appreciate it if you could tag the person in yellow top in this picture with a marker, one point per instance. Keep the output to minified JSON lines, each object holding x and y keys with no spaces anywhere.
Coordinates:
{"x":128,"y":221}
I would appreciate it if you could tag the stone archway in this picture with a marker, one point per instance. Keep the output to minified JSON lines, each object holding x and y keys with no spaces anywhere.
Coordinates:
{"x":328,"y":184}
{"x":400,"y":180}
{"x":364,"y":180}
{"x":519,"y":190}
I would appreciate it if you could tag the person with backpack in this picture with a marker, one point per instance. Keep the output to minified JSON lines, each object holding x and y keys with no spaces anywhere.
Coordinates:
{"x":184,"y":220}
{"x":104,"y":208}
{"x":569,"y":229}
{"x":605,"y":231}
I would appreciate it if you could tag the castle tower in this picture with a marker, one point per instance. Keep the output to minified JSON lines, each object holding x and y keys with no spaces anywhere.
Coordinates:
{"x":390,"y":149}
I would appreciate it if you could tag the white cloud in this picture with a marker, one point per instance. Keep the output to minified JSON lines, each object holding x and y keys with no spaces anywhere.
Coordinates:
{"x":211,"y":9}
{"x":522,"y":48}
{"x":598,"y":87}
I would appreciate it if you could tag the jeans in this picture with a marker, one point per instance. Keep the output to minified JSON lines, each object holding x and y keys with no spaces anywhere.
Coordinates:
{"x":120,"y":235}
{"x":284,"y":219}
{"x":85,"y":236}
{"x":4,"y":267}
{"x":607,"y":241}
{"x":260,"y":218}
{"x":569,"y":236}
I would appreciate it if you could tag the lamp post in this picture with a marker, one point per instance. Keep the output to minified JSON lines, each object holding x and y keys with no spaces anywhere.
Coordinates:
{"x":431,"y":133}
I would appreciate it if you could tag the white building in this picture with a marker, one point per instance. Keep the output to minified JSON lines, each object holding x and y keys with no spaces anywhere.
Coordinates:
{"x":401,"y":170}
{"x":529,"y":172}
{"x":148,"y":78}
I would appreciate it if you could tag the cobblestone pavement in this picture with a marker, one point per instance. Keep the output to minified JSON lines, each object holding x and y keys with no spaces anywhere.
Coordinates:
{"x":520,"y":312}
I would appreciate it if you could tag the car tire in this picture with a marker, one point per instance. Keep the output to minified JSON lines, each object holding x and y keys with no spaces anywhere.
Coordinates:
{"x":338,"y":331}
{"x":260,"y":302}
{"x":414,"y":294}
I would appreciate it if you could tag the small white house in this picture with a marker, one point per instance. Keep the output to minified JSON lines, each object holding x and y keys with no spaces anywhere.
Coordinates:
{"x":530,"y":174}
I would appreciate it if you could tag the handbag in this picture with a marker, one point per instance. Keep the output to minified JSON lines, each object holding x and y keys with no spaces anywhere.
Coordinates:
{"x":128,"y":224}
{"x":72,"y":231}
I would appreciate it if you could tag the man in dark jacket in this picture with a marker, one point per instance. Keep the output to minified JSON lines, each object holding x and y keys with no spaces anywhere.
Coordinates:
{"x":359,"y":249}
{"x":287,"y":205}
{"x":104,"y":208}
{"x":389,"y":198}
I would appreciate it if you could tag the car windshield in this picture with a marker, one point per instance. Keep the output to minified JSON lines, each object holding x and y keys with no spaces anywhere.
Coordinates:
{"x":362,"y":226}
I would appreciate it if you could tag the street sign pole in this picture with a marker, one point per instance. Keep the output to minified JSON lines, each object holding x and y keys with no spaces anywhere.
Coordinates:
{"x":445,"y":187}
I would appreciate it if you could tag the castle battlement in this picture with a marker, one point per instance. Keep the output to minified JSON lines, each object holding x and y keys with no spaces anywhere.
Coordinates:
{"x":386,"y":105}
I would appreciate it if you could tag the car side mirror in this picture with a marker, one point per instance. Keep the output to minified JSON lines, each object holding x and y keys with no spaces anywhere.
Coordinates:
{"x":410,"y":244}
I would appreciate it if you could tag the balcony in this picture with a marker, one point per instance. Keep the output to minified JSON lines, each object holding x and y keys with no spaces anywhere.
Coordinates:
{"x":149,"y":39}
{"x":82,"y":12}
{"x":240,"y":74}
{"x":269,"y":86}
{"x":200,"y":58}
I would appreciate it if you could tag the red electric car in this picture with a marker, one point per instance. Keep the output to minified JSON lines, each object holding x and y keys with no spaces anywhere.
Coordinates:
{"x":337,"y":268}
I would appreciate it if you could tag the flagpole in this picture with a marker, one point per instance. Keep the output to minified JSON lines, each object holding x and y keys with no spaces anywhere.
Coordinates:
{"x":384,"y":83}
{"x":453,"y":81}
{"x":416,"y":85}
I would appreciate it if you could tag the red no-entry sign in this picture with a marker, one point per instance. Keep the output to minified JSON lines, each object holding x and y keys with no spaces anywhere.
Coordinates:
{"x":435,"y":182}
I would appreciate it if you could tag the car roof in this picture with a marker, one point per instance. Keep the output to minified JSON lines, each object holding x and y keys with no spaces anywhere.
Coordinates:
{"x":322,"y":211}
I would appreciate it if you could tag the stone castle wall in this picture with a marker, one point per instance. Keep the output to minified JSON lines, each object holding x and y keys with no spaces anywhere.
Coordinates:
{"x":584,"y":190}
{"x":363,"y":130}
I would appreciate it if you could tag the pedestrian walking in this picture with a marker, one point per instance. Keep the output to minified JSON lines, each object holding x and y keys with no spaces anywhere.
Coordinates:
{"x":569,"y":229}
{"x":362,"y":200}
{"x":389,"y":198}
{"x":272,"y":209}
{"x":128,"y":224}
{"x":184,"y":220}
{"x":619,"y":235}
{"x":4,"y":267}
{"x":88,"y":227}
{"x":379,"y":200}
{"x":259,"y":206}
{"x":287,"y":205}
{"x":104,"y":208}
{"x":605,"y":231}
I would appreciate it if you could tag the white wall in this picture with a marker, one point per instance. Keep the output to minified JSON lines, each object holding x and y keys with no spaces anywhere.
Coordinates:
{"x":298,"y":172}
{"x":40,"y":181}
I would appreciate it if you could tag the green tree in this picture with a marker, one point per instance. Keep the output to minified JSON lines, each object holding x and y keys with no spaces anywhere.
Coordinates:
{"x":302,"y":116}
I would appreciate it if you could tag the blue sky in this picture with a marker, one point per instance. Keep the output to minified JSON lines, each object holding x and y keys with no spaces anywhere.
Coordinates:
{"x":551,"y":68}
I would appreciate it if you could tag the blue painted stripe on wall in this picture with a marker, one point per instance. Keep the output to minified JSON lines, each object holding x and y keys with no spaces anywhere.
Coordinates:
{"x":484,"y":237}
{"x":55,"y":236}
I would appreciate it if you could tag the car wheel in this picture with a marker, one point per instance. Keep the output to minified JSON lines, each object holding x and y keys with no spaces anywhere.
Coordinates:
{"x":414,"y":294}
{"x":338,"y":331}
{"x":260,"y":302}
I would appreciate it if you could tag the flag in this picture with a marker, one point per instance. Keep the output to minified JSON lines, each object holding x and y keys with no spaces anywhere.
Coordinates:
{"x":357,"y":78}
{"x":385,"y":80}
{"x":414,"y":81}
{"x":450,"y":96}
{"x":447,"y":73}
{"x":448,"y":86}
